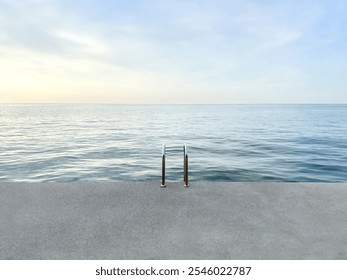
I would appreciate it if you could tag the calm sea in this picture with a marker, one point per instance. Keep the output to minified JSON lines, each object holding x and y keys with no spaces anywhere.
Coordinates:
{"x":123,"y":142}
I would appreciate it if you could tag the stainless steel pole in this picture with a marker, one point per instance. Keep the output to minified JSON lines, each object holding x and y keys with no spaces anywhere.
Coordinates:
{"x":163,"y":184}
{"x":185,"y":165}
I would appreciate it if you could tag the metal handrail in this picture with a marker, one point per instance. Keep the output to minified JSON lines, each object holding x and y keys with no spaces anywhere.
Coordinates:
{"x":185,"y":166}
{"x":163,"y":184}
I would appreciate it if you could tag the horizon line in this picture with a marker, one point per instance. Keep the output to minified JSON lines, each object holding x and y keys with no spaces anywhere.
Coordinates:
{"x":159,"y":104}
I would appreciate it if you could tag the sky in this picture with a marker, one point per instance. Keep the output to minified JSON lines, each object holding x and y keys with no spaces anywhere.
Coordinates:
{"x":173,"y":52}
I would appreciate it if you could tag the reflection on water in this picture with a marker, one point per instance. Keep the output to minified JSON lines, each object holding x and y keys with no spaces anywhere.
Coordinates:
{"x":121,"y":142}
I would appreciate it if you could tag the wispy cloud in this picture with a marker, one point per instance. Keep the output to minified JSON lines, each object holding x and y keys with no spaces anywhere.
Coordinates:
{"x":172,"y":51}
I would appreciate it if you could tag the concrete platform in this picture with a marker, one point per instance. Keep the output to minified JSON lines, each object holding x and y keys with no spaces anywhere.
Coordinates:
{"x":139,"y":220}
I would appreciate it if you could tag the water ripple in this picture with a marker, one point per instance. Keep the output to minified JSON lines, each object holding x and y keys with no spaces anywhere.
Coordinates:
{"x":296,"y":143}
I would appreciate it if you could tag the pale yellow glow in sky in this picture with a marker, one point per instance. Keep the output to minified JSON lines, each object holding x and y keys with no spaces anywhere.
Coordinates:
{"x":26,"y":76}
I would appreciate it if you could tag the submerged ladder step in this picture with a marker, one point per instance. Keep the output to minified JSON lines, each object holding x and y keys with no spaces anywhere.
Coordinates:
{"x":185,"y":165}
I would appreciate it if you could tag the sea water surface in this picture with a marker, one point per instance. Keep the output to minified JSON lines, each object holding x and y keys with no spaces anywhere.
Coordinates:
{"x":295,"y":143}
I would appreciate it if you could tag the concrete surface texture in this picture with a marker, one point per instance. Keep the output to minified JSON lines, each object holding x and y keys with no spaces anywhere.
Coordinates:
{"x":139,"y":220}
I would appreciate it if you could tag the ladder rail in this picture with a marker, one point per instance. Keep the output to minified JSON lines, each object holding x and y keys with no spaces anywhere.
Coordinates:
{"x":185,"y":166}
{"x":163,"y":183}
